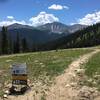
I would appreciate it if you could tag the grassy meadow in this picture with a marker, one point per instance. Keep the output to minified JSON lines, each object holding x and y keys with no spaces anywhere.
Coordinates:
{"x":92,"y":70}
{"x":42,"y":66}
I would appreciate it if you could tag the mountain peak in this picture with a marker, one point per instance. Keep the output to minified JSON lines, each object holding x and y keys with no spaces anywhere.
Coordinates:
{"x":18,"y":26}
{"x":57,"y":27}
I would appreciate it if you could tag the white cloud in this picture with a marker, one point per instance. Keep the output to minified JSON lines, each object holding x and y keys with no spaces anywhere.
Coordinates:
{"x":90,"y":19}
{"x":10,"y":17}
{"x":43,"y":18}
{"x":40,"y":19}
{"x":10,"y":20}
{"x":58,"y":7}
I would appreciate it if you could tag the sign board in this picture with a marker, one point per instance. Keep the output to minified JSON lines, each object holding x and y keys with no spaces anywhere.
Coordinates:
{"x":14,"y":77}
{"x":19,"y":69}
{"x":19,"y":82}
{"x":19,"y":74}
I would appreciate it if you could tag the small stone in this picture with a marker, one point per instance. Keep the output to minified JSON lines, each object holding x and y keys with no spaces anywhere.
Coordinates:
{"x":80,"y":71}
{"x":5,"y":95}
{"x":41,"y":63}
{"x":67,"y":85}
{"x":36,"y":61}
{"x":90,"y":80}
{"x":7,"y":85}
{"x":6,"y":92}
{"x":32,"y":85}
{"x":96,"y":76}
{"x":94,"y":83}
{"x":73,"y":84}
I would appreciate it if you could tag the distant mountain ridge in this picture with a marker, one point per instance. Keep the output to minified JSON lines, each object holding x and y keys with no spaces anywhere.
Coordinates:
{"x":19,"y":26}
{"x":57,"y":27}
{"x":76,"y":27}
{"x":87,"y":37}
{"x":42,"y":34}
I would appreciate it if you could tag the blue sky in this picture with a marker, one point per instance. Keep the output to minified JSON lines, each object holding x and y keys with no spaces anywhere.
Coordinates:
{"x":72,"y":11}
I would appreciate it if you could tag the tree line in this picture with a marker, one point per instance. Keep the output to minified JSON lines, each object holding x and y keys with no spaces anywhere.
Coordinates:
{"x":86,"y":37}
{"x":10,"y":46}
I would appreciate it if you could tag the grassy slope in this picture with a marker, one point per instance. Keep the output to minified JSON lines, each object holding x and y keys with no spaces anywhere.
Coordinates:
{"x":93,"y":71}
{"x":93,"y":66}
{"x":42,"y":66}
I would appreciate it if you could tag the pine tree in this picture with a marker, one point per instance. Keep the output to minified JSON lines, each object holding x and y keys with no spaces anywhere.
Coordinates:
{"x":10,"y":43}
{"x":4,"y":41}
{"x":24,"y":45}
{"x":17,"y":44}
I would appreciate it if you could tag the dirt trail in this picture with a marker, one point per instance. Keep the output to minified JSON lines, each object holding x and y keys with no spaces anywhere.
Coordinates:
{"x":66,"y":85}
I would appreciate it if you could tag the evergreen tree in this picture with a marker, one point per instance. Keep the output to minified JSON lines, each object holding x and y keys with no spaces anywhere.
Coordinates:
{"x":10,"y":43}
{"x":4,"y":41}
{"x":24,"y":45}
{"x":14,"y":47}
{"x":17,"y":44}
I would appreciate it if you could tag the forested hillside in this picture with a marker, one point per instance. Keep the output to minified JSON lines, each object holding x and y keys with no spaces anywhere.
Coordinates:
{"x":18,"y":38}
{"x":87,"y":37}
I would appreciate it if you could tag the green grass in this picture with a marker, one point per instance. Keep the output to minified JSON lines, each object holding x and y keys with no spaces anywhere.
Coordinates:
{"x":93,"y":66}
{"x":93,"y":70}
{"x":42,"y":66}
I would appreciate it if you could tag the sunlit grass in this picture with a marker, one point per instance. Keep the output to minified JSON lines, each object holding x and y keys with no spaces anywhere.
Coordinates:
{"x":42,"y":66}
{"x":93,"y":70}
{"x":49,"y":63}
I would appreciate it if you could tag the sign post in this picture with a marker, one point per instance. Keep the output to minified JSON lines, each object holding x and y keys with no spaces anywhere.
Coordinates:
{"x":19,"y":76}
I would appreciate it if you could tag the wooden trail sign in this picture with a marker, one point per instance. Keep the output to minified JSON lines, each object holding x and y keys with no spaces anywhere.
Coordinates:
{"x":19,"y":74}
